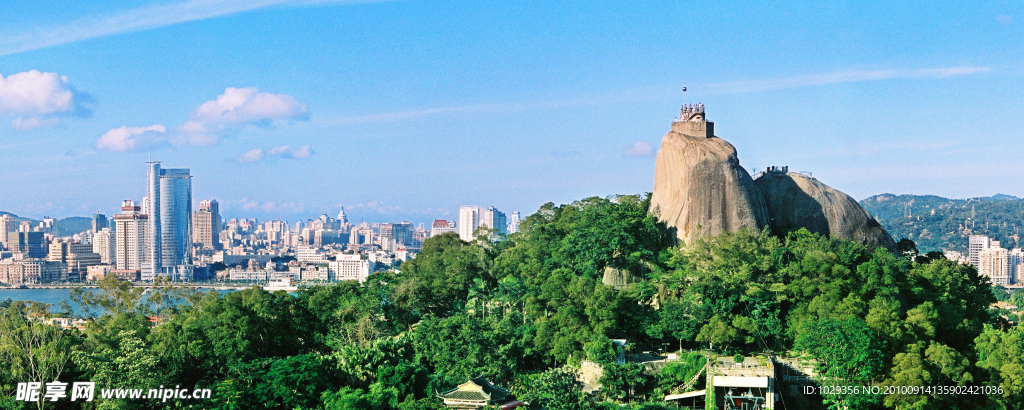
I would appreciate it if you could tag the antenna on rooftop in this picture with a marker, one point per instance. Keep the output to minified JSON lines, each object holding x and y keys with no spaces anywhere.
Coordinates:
{"x":684,"y":94}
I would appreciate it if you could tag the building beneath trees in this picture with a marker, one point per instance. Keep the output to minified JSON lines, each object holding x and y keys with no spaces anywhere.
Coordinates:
{"x":351,"y":267}
{"x":473,"y":217}
{"x":1002,"y":266}
{"x":441,"y":226}
{"x":748,"y":385}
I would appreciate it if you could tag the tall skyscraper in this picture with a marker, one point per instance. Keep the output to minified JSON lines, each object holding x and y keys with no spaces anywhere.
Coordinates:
{"x":513,"y":223}
{"x":494,"y":219}
{"x":99,"y":221}
{"x":976,"y":244}
{"x":132,"y":234}
{"x":472,"y":217}
{"x":469,"y":220}
{"x":206,"y":223}
{"x":400,"y":232}
{"x":994,"y":263}
{"x":169,"y":249}
{"x":8,"y":224}
{"x":1016,"y":261}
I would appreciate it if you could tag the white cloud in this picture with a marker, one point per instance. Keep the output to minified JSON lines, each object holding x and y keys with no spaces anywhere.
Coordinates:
{"x":234,"y":108}
{"x":285,"y":151}
{"x":250,"y":106}
{"x":639,"y":149}
{"x":39,"y":99}
{"x":132,"y":138}
{"x":282,"y":151}
{"x":252,"y":155}
{"x":31,"y":123}
{"x":248,"y":204}
{"x":194,"y":133}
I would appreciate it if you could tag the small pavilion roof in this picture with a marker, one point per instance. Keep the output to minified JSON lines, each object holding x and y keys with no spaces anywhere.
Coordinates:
{"x":477,"y":389}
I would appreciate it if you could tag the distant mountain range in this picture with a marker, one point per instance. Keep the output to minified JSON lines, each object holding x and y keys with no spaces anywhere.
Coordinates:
{"x":63,"y":227}
{"x":937,"y":223}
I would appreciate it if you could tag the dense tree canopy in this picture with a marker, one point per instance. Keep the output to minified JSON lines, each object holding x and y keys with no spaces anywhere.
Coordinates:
{"x":527,"y":309}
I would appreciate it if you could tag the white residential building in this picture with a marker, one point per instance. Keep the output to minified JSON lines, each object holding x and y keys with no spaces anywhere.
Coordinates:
{"x":994,"y":263}
{"x":351,"y":267}
{"x":309,"y":254}
{"x":1016,"y":262}
{"x":513,"y":223}
{"x":472,"y":217}
{"x":977,"y":243}
{"x":131,"y":235}
{"x":103,"y":245}
{"x":441,"y":226}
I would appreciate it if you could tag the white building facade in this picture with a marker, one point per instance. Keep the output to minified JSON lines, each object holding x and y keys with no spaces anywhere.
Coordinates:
{"x":351,"y":267}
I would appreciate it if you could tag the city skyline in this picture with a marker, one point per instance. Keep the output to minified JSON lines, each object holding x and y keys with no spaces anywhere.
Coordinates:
{"x":408,"y":110}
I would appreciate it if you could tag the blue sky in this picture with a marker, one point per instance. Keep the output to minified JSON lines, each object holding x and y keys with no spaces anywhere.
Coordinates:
{"x":405,"y":110}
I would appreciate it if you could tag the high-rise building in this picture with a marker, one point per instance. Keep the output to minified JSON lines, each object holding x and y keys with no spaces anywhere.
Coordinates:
{"x":206,"y":223}
{"x":1016,"y":261}
{"x":169,"y":245}
{"x":29,"y":244}
{"x":975,"y":244}
{"x":350,"y":267}
{"x":469,"y":221}
{"x":402,"y":232}
{"x":994,"y":263}
{"x":361,"y":235}
{"x":132,"y":234}
{"x":494,"y":219}
{"x":8,"y":224}
{"x":99,"y":222}
{"x":472,"y":217}
{"x":103,"y":245}
{"x":77,"y":256}
{"x":513,"y":223}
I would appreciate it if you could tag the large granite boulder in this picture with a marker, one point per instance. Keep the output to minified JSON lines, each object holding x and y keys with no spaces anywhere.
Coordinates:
{"x":699,"y":187}
{"x":796,"y":200}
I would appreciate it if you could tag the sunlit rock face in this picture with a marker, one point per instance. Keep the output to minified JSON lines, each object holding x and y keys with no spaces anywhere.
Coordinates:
{"x":700,"y":189}
{"x":800,"y":201}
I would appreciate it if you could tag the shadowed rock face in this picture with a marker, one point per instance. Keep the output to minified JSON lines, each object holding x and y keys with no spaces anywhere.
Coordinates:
{"x":795,"y":201}
{"x":700,"y":188}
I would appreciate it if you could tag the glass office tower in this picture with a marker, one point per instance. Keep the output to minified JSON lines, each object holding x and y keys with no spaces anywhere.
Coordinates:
{"x":170,"y":209}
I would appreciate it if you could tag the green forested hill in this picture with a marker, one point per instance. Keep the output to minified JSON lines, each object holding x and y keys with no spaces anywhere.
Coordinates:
{"x":937,"y":223}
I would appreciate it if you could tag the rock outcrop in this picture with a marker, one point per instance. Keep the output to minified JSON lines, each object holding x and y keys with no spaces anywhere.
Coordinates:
{"x":701,"y":190}
{"x":699,"y":187}
{"x":795,"y":201}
